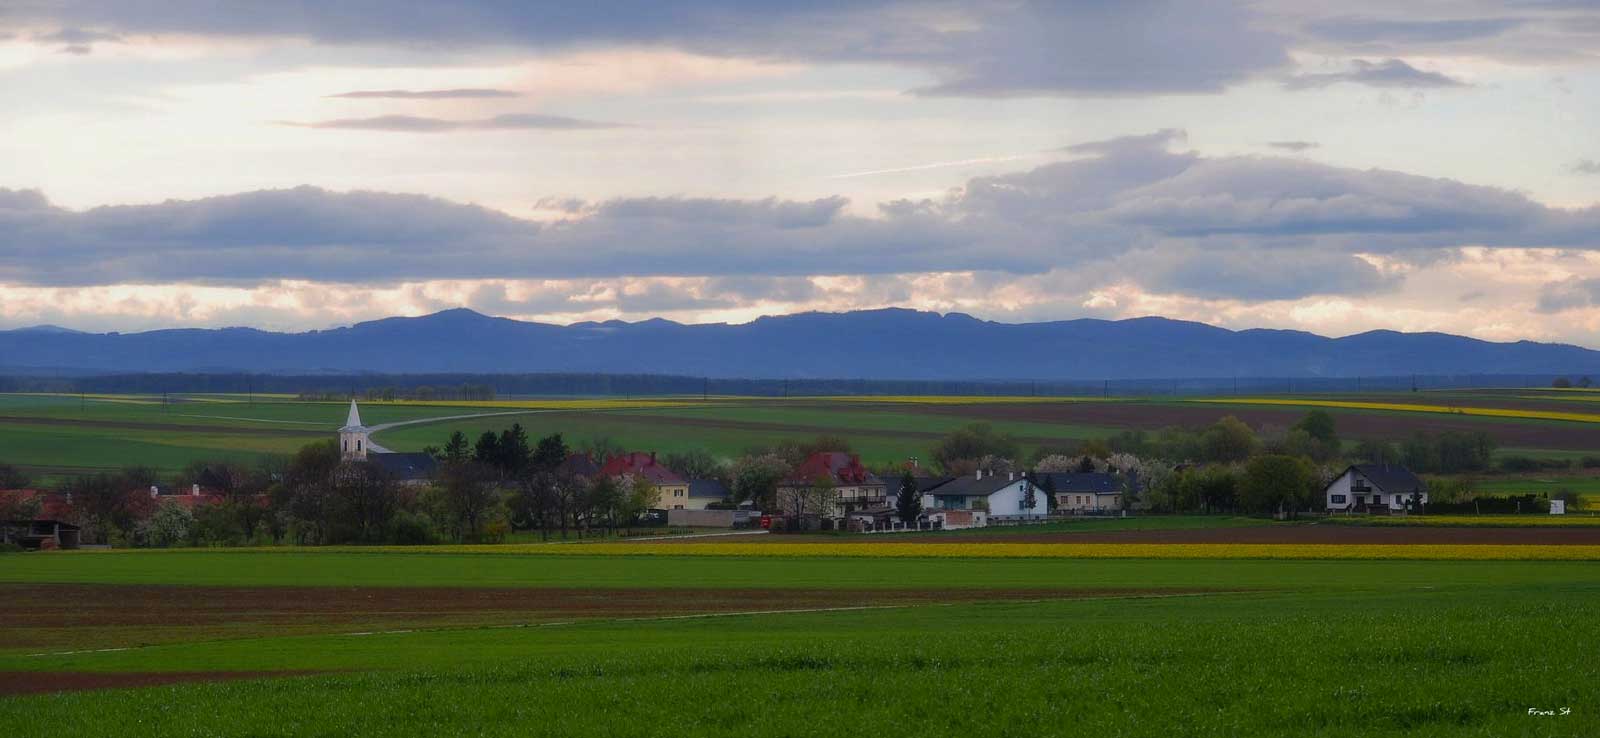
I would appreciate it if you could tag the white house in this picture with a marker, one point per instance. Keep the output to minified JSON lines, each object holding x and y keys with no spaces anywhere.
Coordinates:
{"x":1367,"y":486}
{"x":1003,"y":496}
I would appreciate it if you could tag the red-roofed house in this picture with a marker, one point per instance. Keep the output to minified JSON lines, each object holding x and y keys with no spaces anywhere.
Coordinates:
{"x":854,"y":488}
{"x":672,"y":491}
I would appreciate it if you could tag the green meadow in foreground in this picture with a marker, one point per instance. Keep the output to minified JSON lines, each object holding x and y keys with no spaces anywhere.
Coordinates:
{"x":1397,"y":648}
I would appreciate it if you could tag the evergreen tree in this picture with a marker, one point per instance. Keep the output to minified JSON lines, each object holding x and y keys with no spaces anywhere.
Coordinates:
{"x":909,"y":503}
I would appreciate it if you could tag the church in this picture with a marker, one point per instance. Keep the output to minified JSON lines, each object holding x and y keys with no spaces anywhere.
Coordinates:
{"x":355,"y":444}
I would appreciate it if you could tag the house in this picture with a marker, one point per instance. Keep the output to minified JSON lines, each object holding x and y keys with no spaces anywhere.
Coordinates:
{"x":1081,"y":492}
{"x":1002,"y":496}
{"x":923,"y":484}
{"x":672,"y":491}
{"x":704,"y":492}
{"x":355,"y":444}
{"x":854,"y":488}
{"x":1387,"y":487}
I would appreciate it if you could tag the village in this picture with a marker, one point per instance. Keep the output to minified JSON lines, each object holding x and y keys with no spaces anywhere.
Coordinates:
{"x":360,"y":492}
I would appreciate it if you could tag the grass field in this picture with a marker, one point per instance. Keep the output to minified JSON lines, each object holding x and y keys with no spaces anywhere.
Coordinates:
{"x":56,"y":435}
{"x":901,"y":646}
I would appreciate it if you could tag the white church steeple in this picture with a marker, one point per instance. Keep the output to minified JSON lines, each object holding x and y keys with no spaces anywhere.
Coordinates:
{"x":353,"y":436}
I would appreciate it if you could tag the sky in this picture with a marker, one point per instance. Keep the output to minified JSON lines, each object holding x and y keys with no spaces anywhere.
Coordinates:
{"x":1331,"y":167}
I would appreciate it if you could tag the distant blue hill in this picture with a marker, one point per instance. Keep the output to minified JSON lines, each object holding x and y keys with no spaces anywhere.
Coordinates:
{"x":873,"y":344}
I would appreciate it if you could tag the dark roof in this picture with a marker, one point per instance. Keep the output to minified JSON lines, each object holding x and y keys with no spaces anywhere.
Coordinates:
{"x":708,"y":488}
{"x":407,"y":466}
{"x":580,"y":465}
{"x":892,"y":482}
{"x":1079,"y":482}
{"x":1390,"y":478}
{"x":970,"y":486}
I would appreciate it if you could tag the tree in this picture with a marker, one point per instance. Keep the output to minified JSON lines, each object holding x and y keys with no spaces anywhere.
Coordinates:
{"x":1228,"y":440}
{"x":13,"y":478}
{"x":455,"y":450}
{"x":1561,"y":383}
{"x":487,"y":450}
{"x":548,"y":454}
{"x":105,"y":504}
{"x":756,"y":478}
{"x":364,"y":501}
{"x":470,"y":492}
{"x":696,"y":464}
{"x":1276,"y":483}
{"x":908,"y":505}
{"x":1375,"y":451}
{"x":513,"y":453}
{"x":816,"y":498}
{"x":1319,"y":425}
{"x":305,"y":495}
{"x":973,"y":442}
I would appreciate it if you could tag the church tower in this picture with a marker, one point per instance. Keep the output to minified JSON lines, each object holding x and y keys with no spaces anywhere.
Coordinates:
{"x":353,"y":436}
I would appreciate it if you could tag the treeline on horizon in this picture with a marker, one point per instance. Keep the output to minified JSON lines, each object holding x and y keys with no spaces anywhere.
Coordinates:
{"x":467,"y":386}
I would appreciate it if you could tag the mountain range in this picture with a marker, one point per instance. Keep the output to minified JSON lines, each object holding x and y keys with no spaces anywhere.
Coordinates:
{"x":872,"y":344}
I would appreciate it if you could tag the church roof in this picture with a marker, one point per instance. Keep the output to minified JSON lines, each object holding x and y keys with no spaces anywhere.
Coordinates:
{"x":353,"y":422}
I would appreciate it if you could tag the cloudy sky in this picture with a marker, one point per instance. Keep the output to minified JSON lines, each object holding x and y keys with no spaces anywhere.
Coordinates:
{"x":1428,"y":165}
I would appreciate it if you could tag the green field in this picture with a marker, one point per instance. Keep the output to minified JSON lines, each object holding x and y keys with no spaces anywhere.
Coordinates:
{"x":1203,"y":648}
{"x":57,"y":435}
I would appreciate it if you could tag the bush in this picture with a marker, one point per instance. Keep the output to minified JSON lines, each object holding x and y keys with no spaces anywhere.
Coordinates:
{"x":411,"y":529}
{"x":1590,"y":462}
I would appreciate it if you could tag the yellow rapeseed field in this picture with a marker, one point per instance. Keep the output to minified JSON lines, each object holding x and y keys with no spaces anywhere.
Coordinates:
{"x":1494,"y":412}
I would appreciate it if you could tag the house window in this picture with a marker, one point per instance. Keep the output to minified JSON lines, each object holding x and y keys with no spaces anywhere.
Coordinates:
{"x":1338,"y":499}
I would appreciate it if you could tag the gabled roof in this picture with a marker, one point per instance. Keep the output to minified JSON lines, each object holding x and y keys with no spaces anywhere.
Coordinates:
{"x":971,"y":486}
{"x":640,"y":464}
{"x":1391,"y":478}
{"x":52,"y":505}
{"x":839,"y":467}
{"x":405,"y":467}
{"x":709,"y":488}
{"x":580,"y":465}
{"x":1098,"y":483}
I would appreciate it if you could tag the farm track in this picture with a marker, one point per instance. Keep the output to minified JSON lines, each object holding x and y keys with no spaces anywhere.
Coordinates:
{"x":1509,"y":432}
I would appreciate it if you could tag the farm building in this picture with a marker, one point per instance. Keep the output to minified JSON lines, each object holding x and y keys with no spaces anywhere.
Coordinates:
{"x":355,"y":443}
{"x":39,"y":533}
{"x":1080,"y":492}
{"x":672,"y":491}
{"x":854,"y":487}
{"x":1386,"y":487}
{"x":1002,"y":496}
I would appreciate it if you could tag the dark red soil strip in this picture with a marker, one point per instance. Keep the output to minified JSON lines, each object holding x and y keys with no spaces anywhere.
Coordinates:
{"x":49,"y":618}
{"x":14,"y":683}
